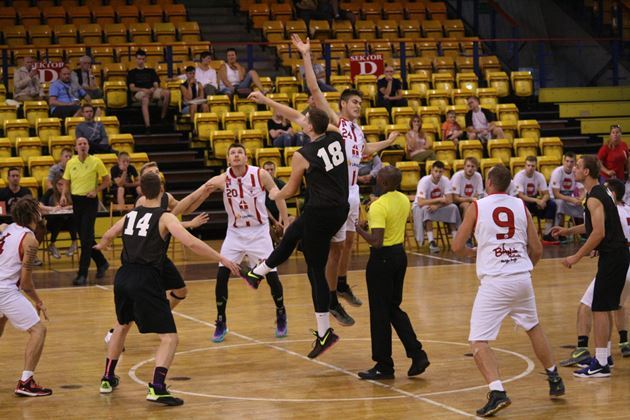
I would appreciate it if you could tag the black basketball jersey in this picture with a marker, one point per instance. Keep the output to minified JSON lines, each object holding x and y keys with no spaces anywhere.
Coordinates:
{"x":614,"y":235}
{"x":164,"y":201}
{"x":327,"y":174}
{"x":142,"y":242}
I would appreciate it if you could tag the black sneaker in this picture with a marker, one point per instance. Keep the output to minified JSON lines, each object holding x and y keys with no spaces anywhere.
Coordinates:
{"x":341,"y":315}
{"x":162,"y":396}
{"x":323,"y":343}
{"x":548,"y":239}
{"x":108,"y":384}
{"x":349,"y":296}
{"x":556,"y":386}
{"x":253,"y":280}
{"x":418,"y":364}
{"x":374,"y":374}
{"x":79,"y":281}
{"x":100,"y":271}
{"x":497,"y":400}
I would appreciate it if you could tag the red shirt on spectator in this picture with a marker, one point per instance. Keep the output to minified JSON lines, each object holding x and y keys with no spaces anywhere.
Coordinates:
{"x":614,"y":158}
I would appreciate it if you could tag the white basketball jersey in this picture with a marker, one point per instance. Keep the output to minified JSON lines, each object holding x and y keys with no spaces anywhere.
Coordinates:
{"x":501,"y":232}
{"x":355,"y":146}
{"x":624,"y":216}
{"x":244,"y":199}
{"x":10,"y":257}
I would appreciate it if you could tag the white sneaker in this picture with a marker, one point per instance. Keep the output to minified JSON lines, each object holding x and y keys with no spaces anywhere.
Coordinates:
{"x":434,"y":248}
{"x":72,"y":250}
{"x":108,"y":336}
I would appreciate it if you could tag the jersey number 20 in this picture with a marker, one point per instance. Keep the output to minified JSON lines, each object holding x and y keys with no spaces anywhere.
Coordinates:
{"x":332,"y":158}
{"x":142,"y":225}
{"x":508,"y":222}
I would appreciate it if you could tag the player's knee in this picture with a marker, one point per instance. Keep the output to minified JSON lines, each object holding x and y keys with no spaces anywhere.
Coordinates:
{"x":170,"y":339}
{"x":38,"y":329}
{"x":179,"y":294}
{"x":223,"y":274}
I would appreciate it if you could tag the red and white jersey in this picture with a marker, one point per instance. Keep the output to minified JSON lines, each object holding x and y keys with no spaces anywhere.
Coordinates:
{"x":624,"y":216}
{"x":244,"y":199}
{"x":501,"y":233}
{"x":355,"y":146}
{"x":565,"y":182}
{"x":464,"y":187}
{"x":10,"y":256}
{"x":427,"y":189}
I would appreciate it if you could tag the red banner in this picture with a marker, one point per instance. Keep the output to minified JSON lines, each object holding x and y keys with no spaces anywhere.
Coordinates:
{"x":366,"y":64}
{"x":49,"y":71}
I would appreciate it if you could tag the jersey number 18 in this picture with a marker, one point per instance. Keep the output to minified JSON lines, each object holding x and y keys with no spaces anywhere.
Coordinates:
{"x":332,"y":155}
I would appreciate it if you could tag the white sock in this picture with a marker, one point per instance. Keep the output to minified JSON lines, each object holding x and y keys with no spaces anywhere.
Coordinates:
{"x":430,"y":236}
{"x":262,"y":269}
{"x":323,"y":322}
{"x":608,"y":350}
{"x":551,"y":369}
{"x":601,"y":354}
{"x":454,"y":233}
{"x":548,"y":226}
{"x":26,"y":375}
{"x":496,"y":386}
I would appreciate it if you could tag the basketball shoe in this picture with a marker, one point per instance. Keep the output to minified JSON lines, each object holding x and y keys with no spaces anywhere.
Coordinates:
{"x":594,"y":370}
{"x":253,"y":280}
{"x":162,"y":396}
{"x":348,"y":295}
{"x":579,"y":355}
{"x":108,"y":384}
{"x":323,"y":343}
{"x":625,"y":349}
{"x":434,"y":248}
{"x":341,"y":315}
{"x":556,"y":386}
{"x":29,"y":388}
{"x":497,"y":400}
{"x":220,"y":330}
{"x":587,"y":363}
{"x":281,"y":323}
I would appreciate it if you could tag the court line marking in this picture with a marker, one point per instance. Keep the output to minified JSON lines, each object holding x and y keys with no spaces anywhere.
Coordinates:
{"x":440,"y":258}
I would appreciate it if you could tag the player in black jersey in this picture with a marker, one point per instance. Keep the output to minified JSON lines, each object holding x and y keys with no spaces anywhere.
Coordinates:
{"x":324,"y":165}
{"x":606,"y":236}
{"x":138,"y":292}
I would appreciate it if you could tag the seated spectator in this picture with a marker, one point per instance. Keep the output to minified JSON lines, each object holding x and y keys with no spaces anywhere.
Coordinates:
{"x":416,"y":146}
{"x":614,"y":156}
{"x":49,"y":203}
{"x":451,"y":129}
{"x":433,"y":203}
{"x":467,"y":185}
{"x":276,"y":228}
{"x":322,"y":10}
{"x":480,"y":122}
{"x":206,"y":75}
{"x":125,"y":180}
{"x":26,"y":83}
{"x":192,"y":94}
{"x":144,"y":85}
{"x":58,"y":168}
{"x":532,"y":189}
{"x":320,"y":74}
{"x":389,"y":93}
{"x":62,"y":100}
{"x":368,"y":168}
{"x":93,"y":131}
{"x":281,"y":133}
{"x":13,"y":191}
{"x":83,"y":80}
{"x":233,"y":78}
{"x":567,"y":193}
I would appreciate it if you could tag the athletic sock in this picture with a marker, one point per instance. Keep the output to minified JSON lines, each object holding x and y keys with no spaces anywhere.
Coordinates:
{"x":454,"y":233}
{"x":159,"y":376}
{"x":601,"y":354}
{"x":323,"y":323}
{"x":623,"y":336}
{"x":609,"y":350}
{"x":496,"y":386}
{"x":262,"y":269}
{"x":548,"y":226}
{"x":342,"y":284}
{"x":430,"y":236}
{"x":110,"y":367}
{"x":334,"y":302}
{"x":582,"y":341}
{"x":26,"y":375}
{"x":551,"y":369}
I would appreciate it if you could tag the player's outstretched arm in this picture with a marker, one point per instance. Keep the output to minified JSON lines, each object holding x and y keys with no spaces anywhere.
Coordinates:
{"x":283,"y":110}
{"x":534,"y":246}
{"x":111,"y":233}
{"x":464,"y":233}
{"x":193,"y":200}
{"x":270,"y":186}
{"x":28,"y":248}
{"x":299,"y":165}
{"x":380,"y":145}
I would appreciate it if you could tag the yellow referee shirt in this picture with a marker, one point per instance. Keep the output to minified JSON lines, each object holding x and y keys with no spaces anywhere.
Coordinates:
{"x":83,"y":176}
{"x":390,"y":212}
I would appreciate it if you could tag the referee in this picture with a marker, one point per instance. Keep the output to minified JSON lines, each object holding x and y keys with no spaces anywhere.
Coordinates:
{"x":385,"y":274}
{"x":82,"y":174}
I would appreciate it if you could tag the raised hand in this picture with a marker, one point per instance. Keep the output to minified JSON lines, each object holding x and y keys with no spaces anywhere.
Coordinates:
{"x":199,"y":220}
{"x":304,"y":47}
{"x":257,"y":97}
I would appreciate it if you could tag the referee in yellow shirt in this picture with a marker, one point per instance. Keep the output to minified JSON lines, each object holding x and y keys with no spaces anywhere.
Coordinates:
{"x":385,"y":274}
{"x":81,"y":175}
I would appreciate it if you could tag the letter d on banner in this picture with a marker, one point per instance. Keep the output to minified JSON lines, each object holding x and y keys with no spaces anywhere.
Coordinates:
{"x":371,"y":64}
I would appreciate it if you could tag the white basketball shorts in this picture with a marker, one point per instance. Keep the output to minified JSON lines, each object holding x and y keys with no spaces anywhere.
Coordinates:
{"x":18,"y":309}
{"x":354,"y":199}
{"x":253,"y":242}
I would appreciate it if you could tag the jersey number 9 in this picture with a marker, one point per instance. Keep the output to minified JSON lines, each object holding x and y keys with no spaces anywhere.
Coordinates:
{"x":506,"y":222}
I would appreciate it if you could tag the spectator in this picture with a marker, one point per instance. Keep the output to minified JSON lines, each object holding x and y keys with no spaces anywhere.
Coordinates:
{"x":49,"y":203}
{"x":281,"y":132}
{"x":233,"y":78}
{"x":26,"y":84}
{"x":467,"y":185}
{"x":206,"y":75}
{"x":480,"y":122}
{"x":126,"y":180}
{"x":58,"y":168}
{"x":433,"y":203}
{"x":276,"y":228}
{"x":83,"y":80}
{"x":567,"y":193}
{"x":416,"y":144}
{"x":451,"y":129}
{"x":614,"y":156}
{"x":62,"y":100}
{"x":144,"y":85}
{"x":82,"y":175}
{"x":93,"y":131}
{"x":192,"y":94}
{"x":320,"y":74}
{"x":12,"y":192}
{"x":368,"y":169}
{"x":322,"y":10}
{"x":532,"y":189}
{"x":389,"y":91}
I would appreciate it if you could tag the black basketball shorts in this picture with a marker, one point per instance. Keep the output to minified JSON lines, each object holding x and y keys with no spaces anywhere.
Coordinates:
{"x":610,"y":279}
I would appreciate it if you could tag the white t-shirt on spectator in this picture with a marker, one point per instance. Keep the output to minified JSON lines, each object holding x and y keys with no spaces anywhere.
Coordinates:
{"x":479,"y":120}
{"x":565,"y":182}
{"x":462,"y":186}
{"x":206,"y":77}
{"x":530,"y":186}
{"x":428,"y":190}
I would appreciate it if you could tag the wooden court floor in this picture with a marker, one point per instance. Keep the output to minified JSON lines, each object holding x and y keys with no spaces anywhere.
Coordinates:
{"x":252,"y":374}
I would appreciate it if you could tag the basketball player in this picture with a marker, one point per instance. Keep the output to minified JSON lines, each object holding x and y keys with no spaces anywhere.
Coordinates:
{"x":323,"y":163}
{"x":356,"y":147}
{"x":508,"y":248}
{"x":581,"y":356}
{"x":138,"y":292}
{"x":18,"y":249}
{"x":606,"y":236}
{"x":244,"y":191}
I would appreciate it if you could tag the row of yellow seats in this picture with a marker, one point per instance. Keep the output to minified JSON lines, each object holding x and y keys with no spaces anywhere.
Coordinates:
{"x":37,"y":118}
{"x":521,"y":83}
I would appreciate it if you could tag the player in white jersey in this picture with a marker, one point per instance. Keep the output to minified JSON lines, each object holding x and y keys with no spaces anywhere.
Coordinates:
{"x":508,"y":248}
{"x":581,"y":356}
{"x":467,"y":185}
{"x":567,"y":192}
{"x":244,"y":191}
{"x":18,"y":249}
{"x":356,"y":147}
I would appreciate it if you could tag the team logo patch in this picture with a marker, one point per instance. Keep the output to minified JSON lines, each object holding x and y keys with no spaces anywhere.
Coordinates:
{"x":531,"y":189}
{"x":436,"y":193}
{"x":468,"y":190}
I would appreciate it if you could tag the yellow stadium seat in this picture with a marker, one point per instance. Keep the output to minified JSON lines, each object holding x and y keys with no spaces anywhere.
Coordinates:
{"x":258,"y":14}
{"x":529,"y":128}
{"x":299,"y":101}
{"x":454,"y":28}
{"x":219,"y":104}
{"x":40,"y":34}
{"x":8,"y":16}
{"x":5,"y":147}
{"x":251,"y":140}
{"x":467,"y":82}
{"x":522,"y":83}
{"x":74,"y":53}
{"x":16,"y":128}
{"x":138,"y":158}
{"x":489,"y":63}
{"x":103,"y":54}
{"x":283,"y":173}
{"x":500,"y":81}
{"x":27,"y":147}
{"x":342,"y":29}
{"x":175,"y":12}
{"x":460,"y":96}
{"x":140,"y":32}
{"x":205,"y":123}
{"x":29,"y":16}
{"x":432,"y":29}
{"x":47,"y":127}
{"x":388,"y":29}
{"x":320,"y":29}
{"x":287,"y":84}
{"x":468,"y":148}
{"x":546,"y":164}
{"x":410,"y":172}
{"x":507,"y":113}
{"x":551,"y":146}
{"x":365,"y":29}
{"x":111,"y":124}
{"x":378,"y":117}
{"x":489,"y":163}
{"x":525,"y":147}
{"x":33,"y":110}
{"x":79,"y":15}
{"x":402,"y":130}
{"x":288,"y":153}
{"x":54,"y":15}
{"x":189,"y":31}
{"x":509,"y":129}
{"x":234,"y":121}
{"x":273,"y":30}
{"x":391,"y":156}
{"x":295,"y":27}
{"x":443,"y":81}
{"x":91,"y":34}
{"x":402,"y":115}
{"x":38,"y":167}
{"x":382,"y":46}
{"x":71,"y":123}
{"x":436,"y":10}
{"x":371,"y":11}
{"x":122,"y":142}
{"x":103,"y":15}
{"x":366,"y":84}
{"x":419,"y":82}
{"x":413,"y":99}
{"x":32,"y":184}
{"x":6,"y":163}
{"x":501,"y":149}
{"x":151,"y":13}
{"x":57,"y":143}
{"x":393,"y":11}
{"x":115,"y":93}
{"x":464,"y":64}
{"x":438,"y":98}
{"x":340,"y":82}
{"x":428,"y":50}
{"x":108,"y":159}
{"x":14,"y":35}
{"x":431,"y":133}
{"x":415,"y":9}
{"x":409,"y":28}
{"x":164,"y":32}
{"x":458,"y":164}
{"x":66,"y":34}
{"x":127,"y":14}
{"x":488,"y":97}
{"x":3,"y":92}
{"x":446,"y":151}
{"x":245,"y":106}
{"x":444,"y":64}
{"x":266,"y":154}
{"x":258,"y":120}
{"x":372,"y":133}
{"x":431,"y":115}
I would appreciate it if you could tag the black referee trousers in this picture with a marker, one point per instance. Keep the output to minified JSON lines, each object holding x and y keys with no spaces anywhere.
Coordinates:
{"x":84,"y":210}
{"x":385,"y":274}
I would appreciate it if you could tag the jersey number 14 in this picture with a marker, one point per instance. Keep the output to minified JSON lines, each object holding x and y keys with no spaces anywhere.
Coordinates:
{"x":332,"y":155}
{"x":142,"y":225}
